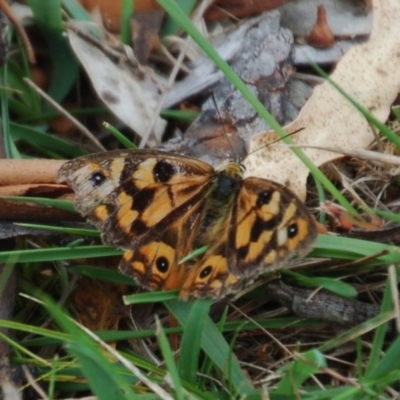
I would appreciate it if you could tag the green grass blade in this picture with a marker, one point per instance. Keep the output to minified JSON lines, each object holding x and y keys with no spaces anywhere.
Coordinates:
{"x":380,"y":333}
{"x":104,"y":274}
{"x":169,"y":360}
{"x":71,"y":231}
{"x":119,"y":136}
{"x":60,"y":253}
{"x":44,"y":140}
{"x":340,"y":288}
{"x":5,"y":118}
{"x":151,"y":297}
{"x":191,"y":340}
{"x":126,"y":15}
{"x":352,"y":249}
{"x":390,"y":362}
{"x":65,"y":205}
{"x":65,"y":67}
{"x":297,"y":372}
{"x":170,"y":26}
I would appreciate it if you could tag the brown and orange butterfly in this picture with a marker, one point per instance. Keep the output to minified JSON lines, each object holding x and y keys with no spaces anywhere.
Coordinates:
{"x":159,"y":207}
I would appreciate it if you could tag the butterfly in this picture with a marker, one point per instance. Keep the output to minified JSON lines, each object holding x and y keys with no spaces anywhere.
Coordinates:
{"x":159,"y":207}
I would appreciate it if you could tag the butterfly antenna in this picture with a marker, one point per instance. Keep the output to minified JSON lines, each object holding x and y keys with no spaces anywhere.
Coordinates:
{"x":277,"y":140}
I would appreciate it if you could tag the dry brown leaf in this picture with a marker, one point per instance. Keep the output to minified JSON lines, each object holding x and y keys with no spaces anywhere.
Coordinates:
{"x":99,"y":304}
{"x":347,"y":221}
{"x":368,"y":73}
{"x":145,"y":28}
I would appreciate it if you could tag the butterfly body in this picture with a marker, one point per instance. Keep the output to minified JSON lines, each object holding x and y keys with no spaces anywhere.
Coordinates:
{"x":159,"y":207}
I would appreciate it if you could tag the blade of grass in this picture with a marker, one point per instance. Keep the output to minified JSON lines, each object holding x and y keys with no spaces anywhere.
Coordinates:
{"x":119,"y":136}
{"x":65,"y":67}
{"x":359,"y":330}
{"x":328,"y":246}
{"x":333,"y":285}
{"x":295,"y":373}
{"x":65,"y":205}
{"x":42,"y":139}
{"x":379,"y":336}
{"x":168,"y":358}
{"x":191,"y":340}
{"x":170,"y":26}
{"x":5,"y":119}
{"x":150,"y":297}
{"x":60,"y":253}
{"x":126,"y":15}
{"x":104,"y":274}
{"x":71,"y":231}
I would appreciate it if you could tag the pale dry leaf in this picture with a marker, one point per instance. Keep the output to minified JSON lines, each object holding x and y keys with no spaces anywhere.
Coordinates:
{"x":368,"y":73}
{"x":133,"y":99}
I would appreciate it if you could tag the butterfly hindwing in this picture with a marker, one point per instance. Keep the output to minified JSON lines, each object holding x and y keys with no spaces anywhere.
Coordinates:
{"x":266,"y":225}
{"x":155,"y":264}
{"x":269,"y":225}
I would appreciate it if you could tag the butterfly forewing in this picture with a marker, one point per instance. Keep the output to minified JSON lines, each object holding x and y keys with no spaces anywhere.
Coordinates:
{"x":131,"y":195}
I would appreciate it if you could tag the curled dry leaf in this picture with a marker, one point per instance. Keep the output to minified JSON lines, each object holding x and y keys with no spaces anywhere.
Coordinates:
{"x":19,"y":172}
{"x":347,"y":221}
{"x":131,"y":98}
{"x":368,"y":73}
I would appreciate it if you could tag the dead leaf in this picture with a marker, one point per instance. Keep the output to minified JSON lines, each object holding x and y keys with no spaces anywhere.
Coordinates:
{"x":99,"y":304}
{"x":368,"y":73}
{"x":133,"y":99}
{"x":348,"y":221}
